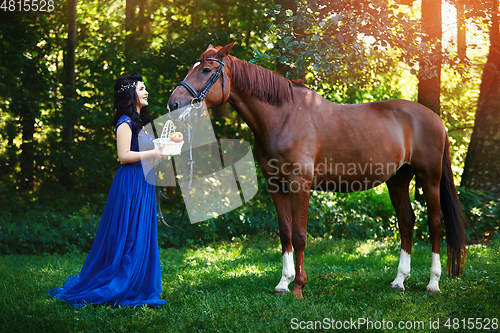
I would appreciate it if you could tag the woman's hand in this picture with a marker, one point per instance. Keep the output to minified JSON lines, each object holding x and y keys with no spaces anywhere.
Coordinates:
{"x":158,"y":152}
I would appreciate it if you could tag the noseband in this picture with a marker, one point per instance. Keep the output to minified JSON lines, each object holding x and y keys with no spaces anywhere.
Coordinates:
{"x":200,"y":95}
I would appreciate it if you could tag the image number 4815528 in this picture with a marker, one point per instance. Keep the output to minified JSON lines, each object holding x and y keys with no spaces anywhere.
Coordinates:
{"x":27,"y":5}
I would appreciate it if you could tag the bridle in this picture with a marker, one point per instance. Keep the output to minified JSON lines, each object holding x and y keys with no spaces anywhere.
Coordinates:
{"x":196,"y":103}
{"x":198,"y":96}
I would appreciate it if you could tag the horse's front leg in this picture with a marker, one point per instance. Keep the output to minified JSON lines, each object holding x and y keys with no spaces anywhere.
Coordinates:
{"x":282,"y":203}
{"x":299,"y":189}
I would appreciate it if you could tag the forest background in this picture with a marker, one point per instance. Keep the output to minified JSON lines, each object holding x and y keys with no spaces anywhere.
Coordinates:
{"x":58,"y":67}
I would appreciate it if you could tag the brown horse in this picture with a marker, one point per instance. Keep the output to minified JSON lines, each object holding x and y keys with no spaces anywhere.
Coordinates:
{"x":305,"y":142}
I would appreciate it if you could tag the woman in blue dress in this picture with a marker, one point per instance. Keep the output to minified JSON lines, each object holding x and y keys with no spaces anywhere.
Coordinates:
{"x":123,"y":265}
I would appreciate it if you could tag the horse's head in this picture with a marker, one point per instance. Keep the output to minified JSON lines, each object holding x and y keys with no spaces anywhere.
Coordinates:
{"x":205,"y":81}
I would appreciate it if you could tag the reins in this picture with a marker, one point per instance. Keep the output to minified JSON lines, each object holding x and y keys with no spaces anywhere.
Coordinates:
{"x":189,"y":163}
{"x":196,"y":103}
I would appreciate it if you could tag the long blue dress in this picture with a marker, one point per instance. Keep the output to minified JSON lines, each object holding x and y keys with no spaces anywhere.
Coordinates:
{"x":123,"y":265}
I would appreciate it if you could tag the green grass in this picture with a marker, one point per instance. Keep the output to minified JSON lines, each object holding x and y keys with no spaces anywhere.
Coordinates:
{"x":228,"y":288}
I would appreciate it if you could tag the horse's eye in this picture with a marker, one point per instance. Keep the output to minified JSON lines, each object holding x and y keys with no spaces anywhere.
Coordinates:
{"x":206,"y":70}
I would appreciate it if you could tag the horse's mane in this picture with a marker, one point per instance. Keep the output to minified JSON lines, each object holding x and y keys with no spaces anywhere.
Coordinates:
{"x":264,"y":84}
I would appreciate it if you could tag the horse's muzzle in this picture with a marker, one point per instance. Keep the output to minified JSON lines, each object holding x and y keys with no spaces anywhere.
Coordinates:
{"x":173,"y":105}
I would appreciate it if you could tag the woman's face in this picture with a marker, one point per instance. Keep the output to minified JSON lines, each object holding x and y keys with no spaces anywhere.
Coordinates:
{"x":142,"y":95}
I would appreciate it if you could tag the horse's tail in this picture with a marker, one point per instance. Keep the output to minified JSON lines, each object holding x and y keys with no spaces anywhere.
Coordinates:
{"x":454,"y":218}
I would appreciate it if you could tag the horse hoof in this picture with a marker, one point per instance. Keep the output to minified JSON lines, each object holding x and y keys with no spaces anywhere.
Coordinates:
{"x":397,"y":287}
{"x":298,"y":294}
{"x":432,"y":290}
{"x":281,"y":292}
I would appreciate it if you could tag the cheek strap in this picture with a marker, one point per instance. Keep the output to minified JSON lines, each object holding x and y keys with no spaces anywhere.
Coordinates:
{"x":200,"y":95}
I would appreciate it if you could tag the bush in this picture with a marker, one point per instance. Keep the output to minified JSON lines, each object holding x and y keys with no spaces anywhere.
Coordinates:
{"x":47,"y":231}
{"x":362,"y":215}
{"x":367,"y":214}
{"x":482,"y":211}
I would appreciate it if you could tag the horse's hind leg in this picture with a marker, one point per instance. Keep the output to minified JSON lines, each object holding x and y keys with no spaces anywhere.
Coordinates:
{"x":430,"y":186}
{"x":398,"y":186}
{"x":282,"y":203}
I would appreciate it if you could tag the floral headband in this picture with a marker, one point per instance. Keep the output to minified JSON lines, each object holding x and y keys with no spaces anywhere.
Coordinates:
{"x":126,"y":86}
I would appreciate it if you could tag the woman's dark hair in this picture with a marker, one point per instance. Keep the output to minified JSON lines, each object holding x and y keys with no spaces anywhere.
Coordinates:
{"x":126,"y":101}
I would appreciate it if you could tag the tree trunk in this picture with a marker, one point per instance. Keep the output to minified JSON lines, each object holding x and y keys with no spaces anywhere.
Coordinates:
{"x":130,"y":28}
{"x":429,"y":86}
{"x":138,"y":28}
{"x":69,"y":66}
{"x":145,"y":22}
{"x":11,"y":133}
{"x":429,"y":78}
{"x":69,"y":95}
{"x":461,"y":41}
{"x":27,"y":152}
{"x":482,"y":164}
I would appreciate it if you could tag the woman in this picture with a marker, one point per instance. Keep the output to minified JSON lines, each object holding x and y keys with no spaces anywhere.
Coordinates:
{"x":123,"y":265}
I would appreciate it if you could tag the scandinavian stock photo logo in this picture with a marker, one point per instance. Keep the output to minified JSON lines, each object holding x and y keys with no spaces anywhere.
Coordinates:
{"x":223,"y":175}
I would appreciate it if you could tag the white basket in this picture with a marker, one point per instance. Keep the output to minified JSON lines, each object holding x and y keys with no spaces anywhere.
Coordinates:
{"x":166,"y":146}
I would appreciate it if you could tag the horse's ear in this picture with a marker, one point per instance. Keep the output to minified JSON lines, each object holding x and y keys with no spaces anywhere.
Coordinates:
{"x":209,"y":48}
{"x":224,"y":52}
